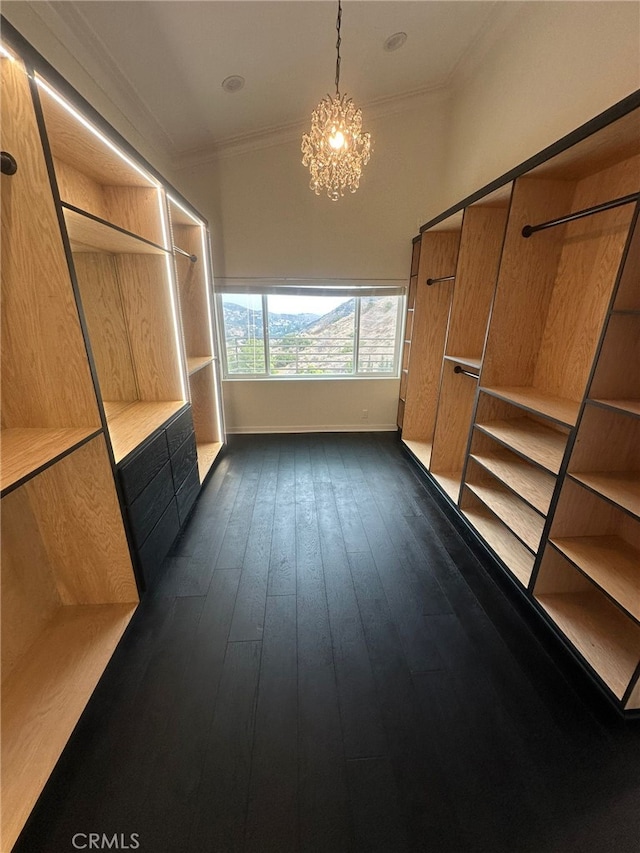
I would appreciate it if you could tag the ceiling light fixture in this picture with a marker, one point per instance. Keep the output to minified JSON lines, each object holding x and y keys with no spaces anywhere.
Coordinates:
{"x":336,"y":149}
{"x":233,"y":83}
{"x":395,"y":42}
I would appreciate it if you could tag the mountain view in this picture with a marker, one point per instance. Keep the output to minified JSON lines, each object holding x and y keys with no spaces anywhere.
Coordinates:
{"x":305,"y":343}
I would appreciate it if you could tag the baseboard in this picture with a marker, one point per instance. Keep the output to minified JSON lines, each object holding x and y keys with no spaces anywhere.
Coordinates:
{"x":257,"y":430}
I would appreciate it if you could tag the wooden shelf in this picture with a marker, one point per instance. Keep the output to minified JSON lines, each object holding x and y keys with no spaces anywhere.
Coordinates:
{"x":510,"y":550}
{"x":26,"y":450}
{"x":540,"y":402}
{"x":534,"y":441}
{"x":195,"y":364}
{"x":621,"y":487}
{"x":525,"y":523}
{"x":207,"y":453}
{"x":73,"y":142}
{"x":450,"y":482}
{"x":420,"y":449}
{"x":610,"y":562}
{"x":465,"y":361}
{"x":43,"y":698}
{"x":631,"y":407}
{"x":131,"y":424}
{"x":604,"y":636}
{"x":88,"y":233}
{"x":533,"y":485}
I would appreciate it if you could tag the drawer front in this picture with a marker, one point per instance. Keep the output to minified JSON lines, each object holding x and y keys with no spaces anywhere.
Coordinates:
{"x":183,"y":461}
{"x":158,"y":543}
{"x":179,"y":431}
{"x":150,"y":504}
{"x":139,"y":471}
{"x":188,"y":493}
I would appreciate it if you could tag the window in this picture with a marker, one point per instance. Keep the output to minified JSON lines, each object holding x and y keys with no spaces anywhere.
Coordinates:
{"x":279,"y":334}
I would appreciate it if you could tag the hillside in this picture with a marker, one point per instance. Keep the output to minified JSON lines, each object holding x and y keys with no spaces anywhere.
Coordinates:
{"x":308,"y":344}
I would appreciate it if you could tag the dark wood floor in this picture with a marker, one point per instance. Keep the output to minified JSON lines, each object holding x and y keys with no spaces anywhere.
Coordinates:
{"x":325,"y":666}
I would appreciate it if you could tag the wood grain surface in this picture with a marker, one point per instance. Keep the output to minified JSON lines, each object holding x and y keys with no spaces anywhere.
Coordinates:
{"x":44,"y":384}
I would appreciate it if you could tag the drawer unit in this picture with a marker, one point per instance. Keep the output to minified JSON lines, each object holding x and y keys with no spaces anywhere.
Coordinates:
{"x":147,"y":508}
{"x":187,"y":494}
{"x":183,"y":460}
{"x":179,"y":430}
{"x":159,"y":541}
{"x":138,"y":471}
{"x":160,"y":484}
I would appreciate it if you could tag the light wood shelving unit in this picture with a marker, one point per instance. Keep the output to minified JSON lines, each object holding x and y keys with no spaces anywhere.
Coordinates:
{"x":437,"y":259}
{"x":68,"y":588}
{"x":117,"y":225}
{"x":541,"y":452}
{"x":193,"y":275}
{"x":408,"y":329}
{"x":97,"y":432}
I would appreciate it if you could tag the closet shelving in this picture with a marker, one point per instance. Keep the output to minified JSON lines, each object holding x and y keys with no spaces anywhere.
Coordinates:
{"x":437,"y":260}
{"x":540,"y":452}
{"x":408,"y":329}
{"x":68,"y":589}
{"x":190,"y":250}
{"x":589,"y":580}
{"x":99,"y":466}
{"x":117,"y":225}
{"x":481,"y":239}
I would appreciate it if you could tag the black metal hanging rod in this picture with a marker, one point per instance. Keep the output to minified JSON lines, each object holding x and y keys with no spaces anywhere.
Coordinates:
{"x":458,"y":369}
{"x":528,"y":230}
{"x":431,"y":281}
{"x":192,"y":258}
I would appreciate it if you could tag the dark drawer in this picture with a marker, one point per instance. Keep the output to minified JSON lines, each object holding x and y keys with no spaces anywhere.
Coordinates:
{"x":187,"y":494}
{"x":139,"y":471}
{"x":150,"y":504}
{"x":179,"y":430}
{"x":159,"y":541}
{"x":183,"y":461}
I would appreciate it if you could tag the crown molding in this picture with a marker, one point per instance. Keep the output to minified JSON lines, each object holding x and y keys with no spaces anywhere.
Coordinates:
{"x":75,"y":36}
{"x":271,"y":137}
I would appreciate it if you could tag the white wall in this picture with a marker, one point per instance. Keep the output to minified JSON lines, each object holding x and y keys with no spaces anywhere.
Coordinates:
{"x":273,"y":225}
{"x":270,"y":224}
{"x":554,"y":67}
{"x":292,"y":405}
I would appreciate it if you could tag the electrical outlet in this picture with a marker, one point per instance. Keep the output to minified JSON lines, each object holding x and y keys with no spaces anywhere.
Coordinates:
{"x":365,"y":414}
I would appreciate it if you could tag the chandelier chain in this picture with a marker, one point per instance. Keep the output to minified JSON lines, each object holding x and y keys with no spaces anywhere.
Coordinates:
{"x":336,"y":148}
{"x":339,"y":41}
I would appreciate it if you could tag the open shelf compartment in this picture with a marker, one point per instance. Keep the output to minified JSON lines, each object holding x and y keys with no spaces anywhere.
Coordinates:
{"x":605,"y":637}
{"x":521,"y":519}
{"x":555,"y":286}
{"x":95,"y":176}
{"x":540,"y":441}
{"x":602,"y":541}
{"x":438,"y":254}
{"x":532,"y":483}
{"x":616,"y":383}
{"x":606,"y":456}
{"x":518,"y":559}
{"x":68,"y":592}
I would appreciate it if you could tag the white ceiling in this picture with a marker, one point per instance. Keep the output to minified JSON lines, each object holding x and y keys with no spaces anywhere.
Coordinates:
{"x":163,"y":61}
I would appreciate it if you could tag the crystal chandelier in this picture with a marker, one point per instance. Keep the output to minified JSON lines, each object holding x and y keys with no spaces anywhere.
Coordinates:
{"x":336,"y":149}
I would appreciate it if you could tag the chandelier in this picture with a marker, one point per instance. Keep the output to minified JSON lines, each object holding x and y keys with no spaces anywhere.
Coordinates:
{"x":336,"y":149}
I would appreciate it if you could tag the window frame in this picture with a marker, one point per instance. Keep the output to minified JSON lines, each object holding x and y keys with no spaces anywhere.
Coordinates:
{"x":297,"y":377}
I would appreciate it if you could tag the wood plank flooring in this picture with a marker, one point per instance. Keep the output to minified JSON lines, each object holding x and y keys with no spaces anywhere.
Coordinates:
{"x":326,"y":667}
